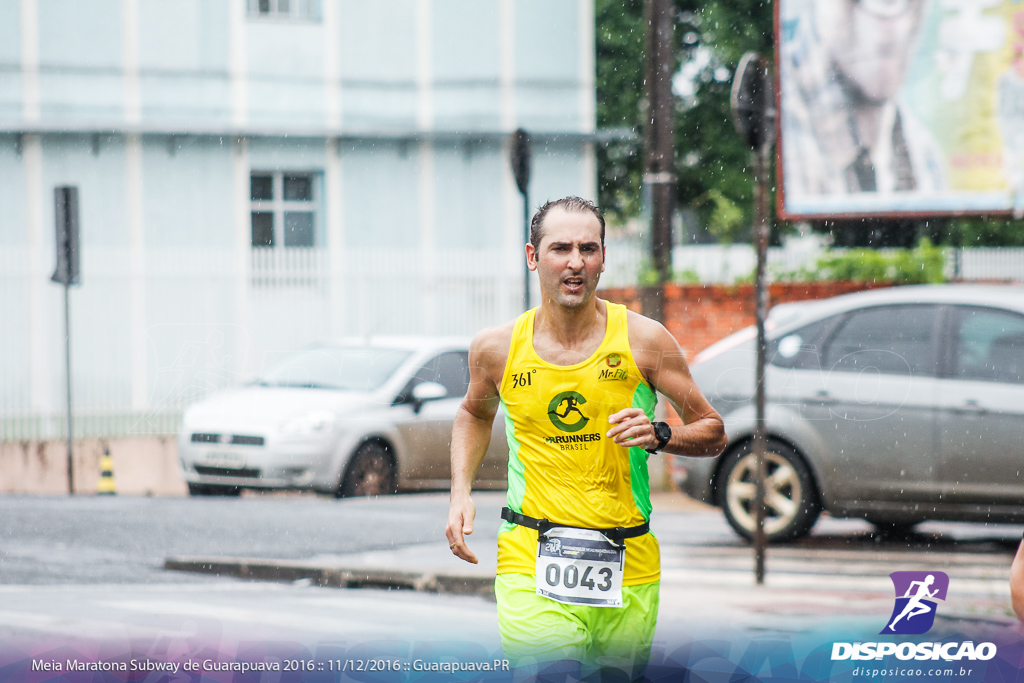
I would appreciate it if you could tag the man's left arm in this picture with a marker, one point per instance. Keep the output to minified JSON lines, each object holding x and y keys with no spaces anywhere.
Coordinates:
{"x":663,"y":364}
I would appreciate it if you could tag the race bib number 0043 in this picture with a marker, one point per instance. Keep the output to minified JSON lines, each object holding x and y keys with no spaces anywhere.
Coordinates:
{"x":580,"y":567}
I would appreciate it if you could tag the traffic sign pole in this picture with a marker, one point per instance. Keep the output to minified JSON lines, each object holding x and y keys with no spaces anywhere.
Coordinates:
{"x":67,"y":273}
{"x":754,"y":114}
{"x":520,"y":144}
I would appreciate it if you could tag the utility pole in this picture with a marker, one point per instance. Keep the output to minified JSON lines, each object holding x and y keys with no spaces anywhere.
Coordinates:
{"x":659,"y":142}
{"x":754,"y":115}
{"x":520,"y":144}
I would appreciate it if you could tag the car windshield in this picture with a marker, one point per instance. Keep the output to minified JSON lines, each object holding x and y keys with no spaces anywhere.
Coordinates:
{"x":349,"y":368}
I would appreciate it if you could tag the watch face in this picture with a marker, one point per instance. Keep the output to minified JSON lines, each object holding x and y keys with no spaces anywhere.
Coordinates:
{"x":663,"y":431}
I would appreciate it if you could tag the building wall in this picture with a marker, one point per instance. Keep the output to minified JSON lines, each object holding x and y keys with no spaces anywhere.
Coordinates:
{"x":159,"y":111}
{"x":349,"y":67}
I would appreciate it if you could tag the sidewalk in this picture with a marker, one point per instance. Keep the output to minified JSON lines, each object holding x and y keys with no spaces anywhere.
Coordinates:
{"x":699,"y":585}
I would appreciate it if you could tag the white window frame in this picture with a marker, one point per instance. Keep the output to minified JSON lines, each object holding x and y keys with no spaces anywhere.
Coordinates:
{"x":278,"y":206}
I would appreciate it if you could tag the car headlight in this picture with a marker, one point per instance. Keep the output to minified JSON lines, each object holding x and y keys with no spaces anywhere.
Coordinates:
{"x":317,"y":422}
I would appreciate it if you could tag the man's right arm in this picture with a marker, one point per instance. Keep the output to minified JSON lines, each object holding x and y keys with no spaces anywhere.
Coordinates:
{"x":471,"y":435}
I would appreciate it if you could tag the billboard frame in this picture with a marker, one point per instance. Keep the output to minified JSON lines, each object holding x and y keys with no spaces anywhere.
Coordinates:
{"x":780,"y":192}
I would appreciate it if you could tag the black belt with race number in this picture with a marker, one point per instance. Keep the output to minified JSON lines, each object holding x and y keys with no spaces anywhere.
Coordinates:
{"x":616,"y":535}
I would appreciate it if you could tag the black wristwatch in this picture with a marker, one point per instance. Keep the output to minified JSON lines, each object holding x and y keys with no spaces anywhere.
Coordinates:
{"x":663,"y":431}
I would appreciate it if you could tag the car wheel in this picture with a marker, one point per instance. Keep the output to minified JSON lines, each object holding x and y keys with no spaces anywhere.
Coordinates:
{"x":213,"y":490}
{"x":369,"y":473}
{"x":791,"y":499}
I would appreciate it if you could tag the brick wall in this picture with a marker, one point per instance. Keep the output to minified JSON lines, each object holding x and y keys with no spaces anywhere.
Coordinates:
{"x":699,"y":315}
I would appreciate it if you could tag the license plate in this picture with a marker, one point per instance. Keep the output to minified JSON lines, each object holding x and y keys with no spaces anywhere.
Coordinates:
{"x":225,"y":459}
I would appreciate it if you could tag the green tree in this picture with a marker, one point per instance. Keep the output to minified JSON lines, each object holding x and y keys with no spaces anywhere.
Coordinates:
{"x":712,"y":163}
{"x":712,"y":159}
{"x":993,"y":231}
{"x":619,"y":67}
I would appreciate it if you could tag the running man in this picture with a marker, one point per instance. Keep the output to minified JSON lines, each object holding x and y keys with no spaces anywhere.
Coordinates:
{"x":578,"y":570}
{"x":914,"y":606}
{"x":570,"y":406}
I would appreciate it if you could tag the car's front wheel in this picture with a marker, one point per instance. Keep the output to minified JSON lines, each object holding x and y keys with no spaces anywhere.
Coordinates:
{"x":369,"y":473}
{"x":791,"y":500}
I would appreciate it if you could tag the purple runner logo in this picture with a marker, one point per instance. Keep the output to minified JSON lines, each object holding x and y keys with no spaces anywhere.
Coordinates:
{"x":916,"y":592}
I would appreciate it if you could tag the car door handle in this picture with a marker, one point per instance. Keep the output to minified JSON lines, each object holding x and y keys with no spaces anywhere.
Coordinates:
{"x":970,"y":407}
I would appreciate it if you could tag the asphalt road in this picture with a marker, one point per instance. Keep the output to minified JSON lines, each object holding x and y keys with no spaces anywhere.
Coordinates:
{"x":224,"y":611}
{"x":125,"y":540}
{"x":93,"y":539}
{"x":83,"y":578}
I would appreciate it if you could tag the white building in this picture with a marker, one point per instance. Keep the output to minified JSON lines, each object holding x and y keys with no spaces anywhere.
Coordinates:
{"x":255,"y":175}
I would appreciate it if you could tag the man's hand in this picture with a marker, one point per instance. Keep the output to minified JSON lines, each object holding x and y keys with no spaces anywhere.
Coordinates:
{"x":461,"y":514}
{"x":632,"y":428}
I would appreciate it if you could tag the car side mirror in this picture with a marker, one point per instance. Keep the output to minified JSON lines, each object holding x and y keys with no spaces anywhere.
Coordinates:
{"x":427,"y":391}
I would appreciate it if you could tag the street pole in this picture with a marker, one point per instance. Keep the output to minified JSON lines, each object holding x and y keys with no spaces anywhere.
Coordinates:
{"x":520,"y":158}
{"x":761,"y":230}
{"x":753,"y":105}
{"x":67,"y":274}
{"x":659,"y":175}
{"x":67,"y":367}
{"x":526,"y":238}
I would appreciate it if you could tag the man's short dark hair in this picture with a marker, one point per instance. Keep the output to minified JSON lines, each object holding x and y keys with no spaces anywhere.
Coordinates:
{"x":573,"y":204}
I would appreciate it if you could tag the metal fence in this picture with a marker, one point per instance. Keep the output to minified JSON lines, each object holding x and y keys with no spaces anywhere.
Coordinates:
{"x":986,"y":264}
{"x":156,"y":331}
{"x":711,"y":263}
{"x":727,"y":263}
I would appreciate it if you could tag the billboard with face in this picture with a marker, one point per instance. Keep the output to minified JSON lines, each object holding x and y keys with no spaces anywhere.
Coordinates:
{"x":895,"y":107}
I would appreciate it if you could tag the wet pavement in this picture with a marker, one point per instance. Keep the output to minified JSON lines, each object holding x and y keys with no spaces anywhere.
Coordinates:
{"x":841,"y":572}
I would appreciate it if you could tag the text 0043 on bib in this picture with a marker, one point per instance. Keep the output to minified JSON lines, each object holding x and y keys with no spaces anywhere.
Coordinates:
{"x":580,"y":567}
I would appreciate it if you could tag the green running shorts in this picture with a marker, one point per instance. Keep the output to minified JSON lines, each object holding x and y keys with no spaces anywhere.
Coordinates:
{"x":535,"y":629}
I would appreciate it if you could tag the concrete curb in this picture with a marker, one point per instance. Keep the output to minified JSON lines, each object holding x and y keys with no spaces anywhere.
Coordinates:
{"x":336,"y":577}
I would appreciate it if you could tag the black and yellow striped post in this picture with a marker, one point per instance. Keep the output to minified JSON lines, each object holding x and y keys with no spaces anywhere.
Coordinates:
{"x":105,"y":486}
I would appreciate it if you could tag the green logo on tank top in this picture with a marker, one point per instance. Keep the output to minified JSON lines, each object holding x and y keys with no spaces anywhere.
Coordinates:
{"x":563,"y":406}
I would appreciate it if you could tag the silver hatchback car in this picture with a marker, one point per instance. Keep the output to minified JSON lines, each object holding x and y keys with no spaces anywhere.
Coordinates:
{"x":351,"y":418}
{"x":895,"y":405}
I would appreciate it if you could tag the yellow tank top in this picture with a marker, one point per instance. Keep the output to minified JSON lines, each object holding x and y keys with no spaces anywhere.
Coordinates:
{"x":561,"y":466}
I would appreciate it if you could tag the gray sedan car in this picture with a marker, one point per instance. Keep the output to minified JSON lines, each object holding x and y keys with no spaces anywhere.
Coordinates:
{"x":896,"y":405}
{"x":351,"y":418}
